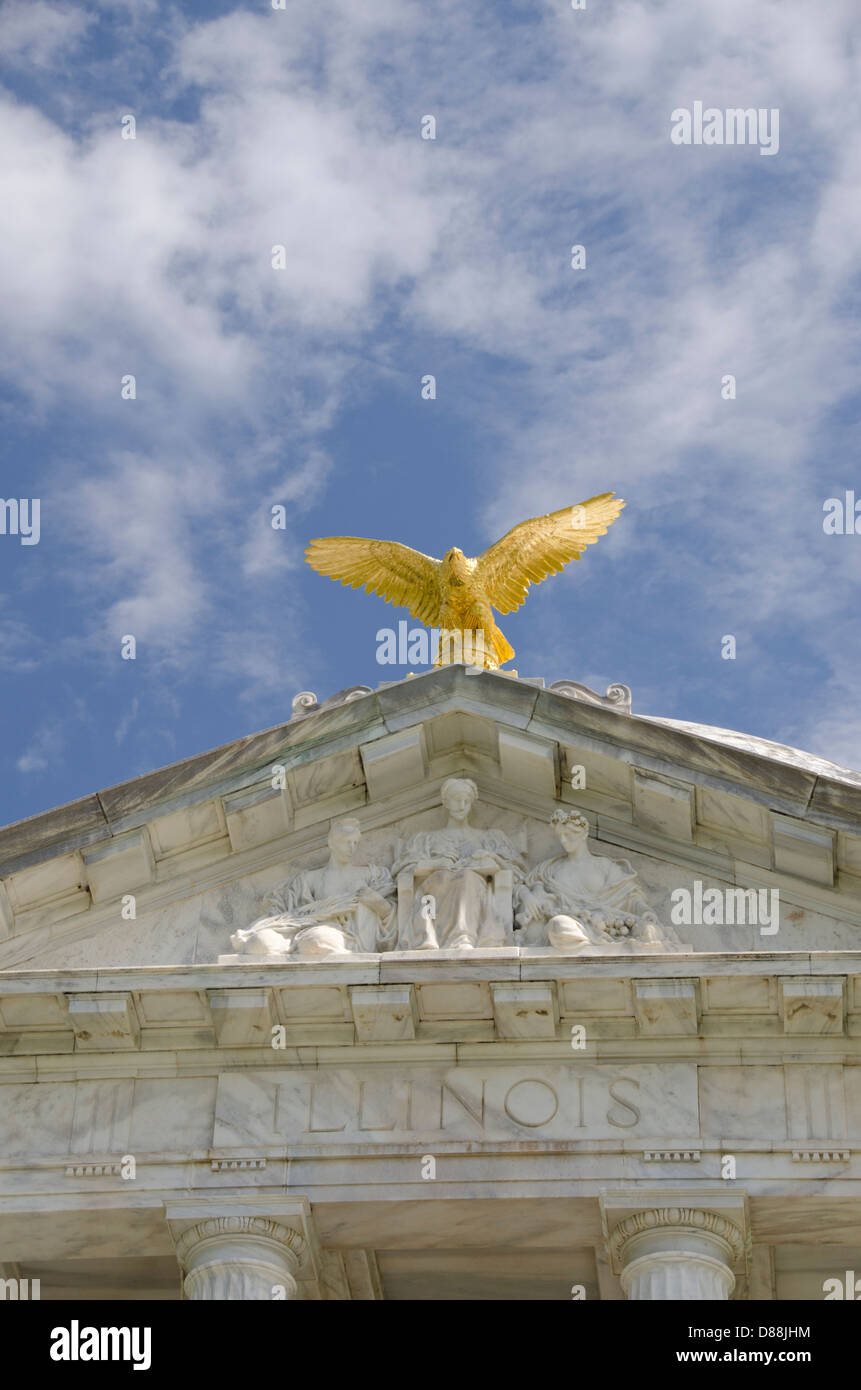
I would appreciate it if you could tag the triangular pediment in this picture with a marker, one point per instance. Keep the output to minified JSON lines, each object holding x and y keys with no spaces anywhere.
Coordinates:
{"x":193,"y":849}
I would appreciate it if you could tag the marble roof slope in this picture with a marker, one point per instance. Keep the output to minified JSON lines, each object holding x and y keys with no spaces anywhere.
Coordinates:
{"x":752,"y":743}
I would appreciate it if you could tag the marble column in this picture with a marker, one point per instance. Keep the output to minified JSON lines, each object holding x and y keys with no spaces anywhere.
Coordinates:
{"x":676,"y":1253}
{"x":240,"y":1257}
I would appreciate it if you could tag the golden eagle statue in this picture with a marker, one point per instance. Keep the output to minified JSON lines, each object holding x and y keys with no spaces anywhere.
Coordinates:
{"x":458,"y":594}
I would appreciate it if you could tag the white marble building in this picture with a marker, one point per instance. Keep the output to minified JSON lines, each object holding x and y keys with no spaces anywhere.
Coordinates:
{"x":351,"y":1009}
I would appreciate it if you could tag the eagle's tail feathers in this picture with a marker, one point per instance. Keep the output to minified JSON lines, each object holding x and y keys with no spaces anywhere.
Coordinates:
{"x":502,"y":649}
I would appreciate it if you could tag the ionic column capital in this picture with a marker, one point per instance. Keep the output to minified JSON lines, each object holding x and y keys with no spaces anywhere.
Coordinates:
{"x":674,"y":1251}
{"x":657,"y":1227}
{"x":265,"y":1227}
{"x":239,"y":1254}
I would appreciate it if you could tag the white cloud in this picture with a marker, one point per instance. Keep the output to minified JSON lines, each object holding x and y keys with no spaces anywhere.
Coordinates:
{"x":126,"y":721}
{"x":270,"y":549}
{"x":21,"y":649}
{"x":35,"y":32}
{"x":45,"y":750}
{"x":145,"y":522}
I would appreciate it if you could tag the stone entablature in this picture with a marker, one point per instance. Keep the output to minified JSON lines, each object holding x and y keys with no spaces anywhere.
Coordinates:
{"x":411,"y":996}
{"x":394,"y":1060}
{"x":383,"y":1063}
{"x":224,"y":1066}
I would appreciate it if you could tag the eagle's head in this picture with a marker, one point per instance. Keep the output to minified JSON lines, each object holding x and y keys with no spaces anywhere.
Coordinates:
{"x":455,"y":566}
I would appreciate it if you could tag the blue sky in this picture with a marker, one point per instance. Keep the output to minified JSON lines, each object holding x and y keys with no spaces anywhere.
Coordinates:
{"x":404,"y":256}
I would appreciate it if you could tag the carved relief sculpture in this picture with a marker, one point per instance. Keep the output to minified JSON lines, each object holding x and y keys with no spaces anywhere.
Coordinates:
{"x":585,"y":904}
{"x":318,"y":912}
{"x":458,"y":888}
{"x":455,"y":884}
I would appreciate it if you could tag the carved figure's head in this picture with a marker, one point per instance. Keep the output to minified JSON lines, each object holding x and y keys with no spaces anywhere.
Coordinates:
{"x":344,"y":836}
{"x":571,"y":827}
{"x":458,"y":795}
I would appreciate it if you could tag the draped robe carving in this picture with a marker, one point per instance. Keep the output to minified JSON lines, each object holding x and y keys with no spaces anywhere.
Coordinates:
{"x":583,"y":903}
{"x":453,"y":907}
{"x":340,"y":907}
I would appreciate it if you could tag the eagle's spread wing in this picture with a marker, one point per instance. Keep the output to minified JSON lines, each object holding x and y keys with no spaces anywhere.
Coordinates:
{"x":542,"y":546}
{"x":397,"y":573}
